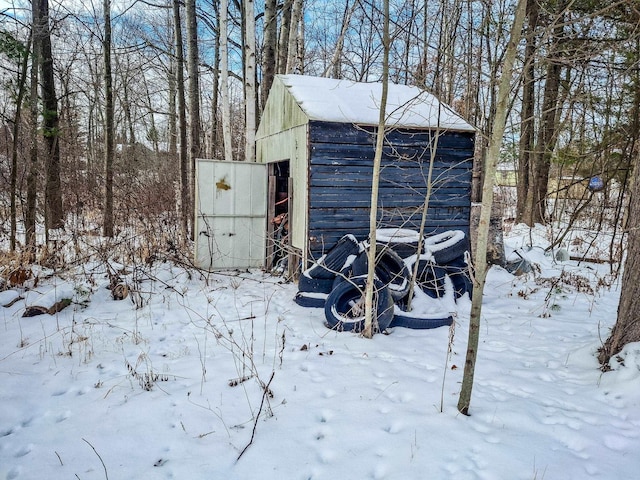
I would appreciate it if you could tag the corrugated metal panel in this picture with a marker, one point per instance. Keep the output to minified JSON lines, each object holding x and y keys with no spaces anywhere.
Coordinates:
{"x":230,"y":214}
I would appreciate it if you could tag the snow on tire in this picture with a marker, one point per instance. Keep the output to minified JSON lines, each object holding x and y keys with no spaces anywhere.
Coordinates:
{"x":310,"y":300}
{"x":345,"y":310}
{"x":403,"y":241}
{"x":335,"y":259}
{"x":458,"y":272}
{"x":446,"y":246}
{"x":390,"y":270}
{"x":431,"y":278}
{"x":314,"y":285}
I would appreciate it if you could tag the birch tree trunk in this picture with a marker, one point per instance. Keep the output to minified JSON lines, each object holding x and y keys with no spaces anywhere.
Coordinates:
{"x":215,"y":139}
{"x":493,"y":152}
{"x":224,"y":81}
{"x":250,"y":81}
{"x":294,"y":36}
{"x":375,"y":181}
{"x":172,"y":84}
{"x":194,"y":103}
{"x":283,"y":40}
{"x":182,"y":120}
{"x":107,"y":225}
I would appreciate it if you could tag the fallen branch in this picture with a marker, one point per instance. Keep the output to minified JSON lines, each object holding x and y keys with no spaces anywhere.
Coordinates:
{"x":266,"y":392}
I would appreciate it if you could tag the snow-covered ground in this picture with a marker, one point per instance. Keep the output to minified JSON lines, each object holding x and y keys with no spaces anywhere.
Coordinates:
{"x":169,"y":385}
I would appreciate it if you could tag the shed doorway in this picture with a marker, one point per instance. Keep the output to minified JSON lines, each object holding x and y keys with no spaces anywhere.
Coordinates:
{"x":279,"y":208}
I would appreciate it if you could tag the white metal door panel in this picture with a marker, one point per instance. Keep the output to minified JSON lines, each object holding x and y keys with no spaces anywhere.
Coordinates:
{"x":230,"y":214}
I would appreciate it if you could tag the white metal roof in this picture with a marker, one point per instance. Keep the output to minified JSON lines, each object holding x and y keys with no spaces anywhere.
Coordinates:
{"x":345,"y":101}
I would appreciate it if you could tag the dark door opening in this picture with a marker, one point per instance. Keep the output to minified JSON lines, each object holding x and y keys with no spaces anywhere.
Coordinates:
{"x":279,"y":215}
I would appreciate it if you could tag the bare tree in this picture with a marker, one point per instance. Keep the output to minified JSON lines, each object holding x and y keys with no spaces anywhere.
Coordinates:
{"x":269,"y":48}
{"x":493,"y":154}
{"x":194,"y":97}
{"x":108,"y":220}
{"x":224,"y":81}
{"x":54,"y":214}
{"x":250,"y":80}
{"x":182,"y":120}
{"x":334,"y":68}
{"x":375,"y":181}
{"x":295,"y":38}
{"x":283,"y":40}
{"x":32,"y":169}
{"x":20,"y":53}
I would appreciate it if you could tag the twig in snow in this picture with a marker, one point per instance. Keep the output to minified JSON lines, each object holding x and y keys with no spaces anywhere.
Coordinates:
{"x":265,"y":393}
{"x":96,"y":452}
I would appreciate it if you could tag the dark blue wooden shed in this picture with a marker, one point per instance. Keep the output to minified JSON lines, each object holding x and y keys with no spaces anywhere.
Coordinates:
{"x":317,"y":137}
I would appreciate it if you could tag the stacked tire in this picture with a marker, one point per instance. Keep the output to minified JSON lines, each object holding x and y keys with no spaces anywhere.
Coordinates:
{"x":315,"y":283}
{"x":336,"y":282}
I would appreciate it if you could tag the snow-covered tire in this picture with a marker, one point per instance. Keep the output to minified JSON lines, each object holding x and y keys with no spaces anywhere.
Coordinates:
{"x":431,"y":278}
{"x":390,"y":270}
{"x":344,"y":308}
{"x":446,"y":246}
{"x":403,"y":241}
{"x":461,"y":284}
{"x":458,"y":272}
{"x":421,"y":322}
{"x":335,"y":259}
{"x":310,"y":300}
{"x":314,"y":285}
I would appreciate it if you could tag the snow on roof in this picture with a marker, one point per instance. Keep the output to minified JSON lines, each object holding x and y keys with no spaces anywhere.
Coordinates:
{"x":345,"y":101}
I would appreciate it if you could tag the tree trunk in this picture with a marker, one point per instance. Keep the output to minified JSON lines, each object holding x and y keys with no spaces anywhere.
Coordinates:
{"x":334,"y":69}
{"x":17,"y":120}
{"x":549,"y":120}
{"x":527,"y":127}
{"x":250,"y":80}
{"x":224,"y":81}
{"x":269,"y":48}
{"x":294,"y":36}
{"x":108,"y":222}
{"x":172,"y":83}
{"x":215,"y":91}
{"x":32,"y":169}
{"x":54,"y":214}
{"x":375,"y":181}
{"x":194,"y":102}
{"x":493,"y":153}
{"x":627,"y":327}
{"x":547,"y":135}
{"x":182,"y":120}
{"x":129,"y":139}
{"x":283,"y":41}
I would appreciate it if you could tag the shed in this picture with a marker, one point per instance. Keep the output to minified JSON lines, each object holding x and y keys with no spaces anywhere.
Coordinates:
{"x":314,"y":148}
{"x":317,"y":136}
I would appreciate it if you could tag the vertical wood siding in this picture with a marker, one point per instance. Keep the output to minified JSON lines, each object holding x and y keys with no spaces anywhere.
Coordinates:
{"x":340,"y":171}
